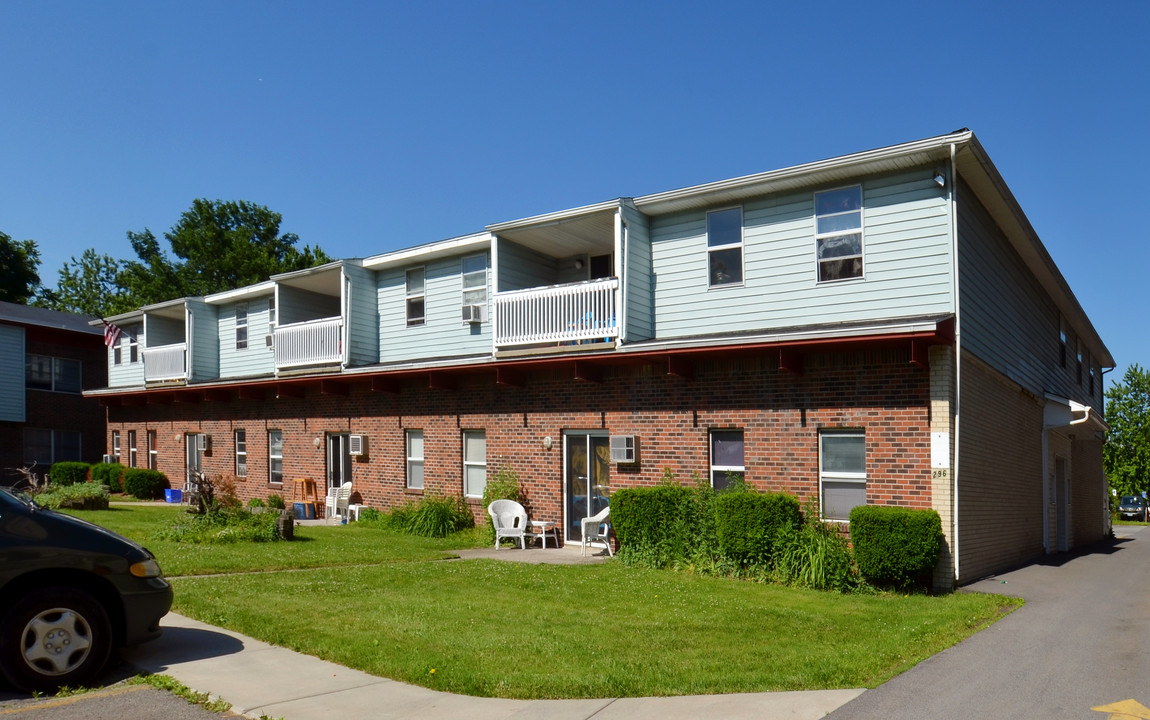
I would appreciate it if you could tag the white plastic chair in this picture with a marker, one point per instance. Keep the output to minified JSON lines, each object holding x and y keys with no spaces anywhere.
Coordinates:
{"x":597,"y":528}
{"x":337,"y":499}
{"x":509,"y":519}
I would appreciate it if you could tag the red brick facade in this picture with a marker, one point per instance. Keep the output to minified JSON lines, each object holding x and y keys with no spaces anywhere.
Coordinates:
{"x":780,"y":413}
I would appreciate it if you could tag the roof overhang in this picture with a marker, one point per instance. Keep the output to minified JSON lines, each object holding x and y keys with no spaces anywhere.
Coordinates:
{"x":433,"y":251}
{"x":1060,"y":413}
{"x":584,"y":230}
{"x":240,"y":294}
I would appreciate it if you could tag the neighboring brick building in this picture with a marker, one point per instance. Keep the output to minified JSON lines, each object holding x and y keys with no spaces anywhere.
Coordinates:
{"x":46,"y":359}
{"x":880,"y":328}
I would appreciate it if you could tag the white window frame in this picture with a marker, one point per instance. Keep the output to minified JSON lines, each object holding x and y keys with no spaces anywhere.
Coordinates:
{"x":153,"y":451}
{"x":271,"y":323}
{"x":273,"y":457}
{"x":712,"y":249}
{"x":471,"y":466}
{"x":116,"y":445}
{"x":414,"y":460}
{"x":131,"y":448}
{"x":840,"y":476}
{"x":240,"y":438}
{"x":134,"y":344}
{"x":820,"y":237}
{"x":741,"y":470}
{"x":476,"y":292}
{"x":241,"y":326}
{"x":420,"y":295}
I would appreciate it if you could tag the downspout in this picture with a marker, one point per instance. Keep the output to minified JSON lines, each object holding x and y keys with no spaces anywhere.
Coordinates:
{"x":620,"y":269}
{"x":957,"y":347}
{"x":493,"y":244}
{"x":344,"y":335}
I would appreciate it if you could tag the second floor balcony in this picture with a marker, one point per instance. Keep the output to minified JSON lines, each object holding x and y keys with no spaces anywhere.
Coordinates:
{"x":166,"y":363}
{"x":303,"y":344}
{"x":558,"y":315}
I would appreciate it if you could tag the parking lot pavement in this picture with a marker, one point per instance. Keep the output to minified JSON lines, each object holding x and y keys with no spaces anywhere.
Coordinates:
{"x":118,"y":702}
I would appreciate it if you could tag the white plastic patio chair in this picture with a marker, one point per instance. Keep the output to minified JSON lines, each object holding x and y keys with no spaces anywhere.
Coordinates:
{"x":509,"y":519}
{"x":338,"y":500}
{"x":597,"y":528}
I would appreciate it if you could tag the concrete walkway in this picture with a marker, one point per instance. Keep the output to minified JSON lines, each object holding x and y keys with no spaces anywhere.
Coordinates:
{"x":262,"y":679}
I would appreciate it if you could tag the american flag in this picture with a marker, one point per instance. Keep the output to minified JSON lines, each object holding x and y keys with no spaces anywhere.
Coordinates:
{"x":111,"y":334}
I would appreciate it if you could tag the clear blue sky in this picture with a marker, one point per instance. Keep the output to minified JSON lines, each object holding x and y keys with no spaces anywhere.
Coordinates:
{"x":372,"y":126}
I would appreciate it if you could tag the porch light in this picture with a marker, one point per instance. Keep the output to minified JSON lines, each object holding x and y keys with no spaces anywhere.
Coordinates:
{"x":317,"y":442}
{"x":547,"y":443}
{"x":940,"y":179}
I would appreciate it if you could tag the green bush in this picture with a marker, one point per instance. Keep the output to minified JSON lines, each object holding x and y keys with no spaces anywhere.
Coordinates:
{"x":276,"y":501}
{"x":504,"y":485}
{"x":68,"y":473}
{"x":110,"y":474}
{"x":895,"y":547}
{"x":145,"y":484}
{"x":649,"y":516}
{"x":257,"y":503}
{"x":746,"y":524}
{"x":815,"y":556}
{"x":79,"y":496}
{"x":223,"y":526}
{"x":439,"y":516}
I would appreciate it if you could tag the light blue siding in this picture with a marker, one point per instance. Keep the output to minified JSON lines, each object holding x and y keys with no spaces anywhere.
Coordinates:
{"x":638,"y":287}
{"x":443,"y":334}
{"x":298,"y":305}
{"x":257,"y":358}
{"x":164,"y":331}
{"x":906,"y":264}
{"x":12,"y":390}
{"x":521,"y":267}
{"x":362,"y":316}
{"x":127,"y":373}
{"x":204,"y":342}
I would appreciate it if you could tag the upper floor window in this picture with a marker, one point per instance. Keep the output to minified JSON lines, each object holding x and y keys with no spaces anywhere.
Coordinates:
{"x":415,"y":291}
{"x":727,"y":457}
{"x":271,"y":323}
{"x":1092,"y":379}
{"x":134,"y":343}
{"x":50,"y":373}
{"x":842,"y":473}
{"x":725,"y":247}
{"x":241,"y":326}
{"x":475,"y":281}
{"x":838,"y":234}
{"x":1080,"y":351}
{"x":1062,"y":340}
{"x":44,"y":447}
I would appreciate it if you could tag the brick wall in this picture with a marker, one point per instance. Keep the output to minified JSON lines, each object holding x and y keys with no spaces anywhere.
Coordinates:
{"x":780,"y":413}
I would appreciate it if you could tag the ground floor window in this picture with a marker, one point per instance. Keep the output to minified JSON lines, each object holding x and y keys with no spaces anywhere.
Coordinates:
{"x":43,"y":447}
{"x":241,"y":453}
{"x":131,"y":448}
{"x":474,"y":462}
{"x":415,"y":459}
{"x":116,"y":445}
{"x":275,"y":456}
{"x":842,"y":473}
{"x":727,"y":457}
{"x":153,"y":452}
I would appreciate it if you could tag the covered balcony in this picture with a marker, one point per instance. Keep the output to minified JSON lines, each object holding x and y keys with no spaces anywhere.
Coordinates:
{"x":582,"y":312}
{"x":165,"y":342}
{"x":309,"y":329}
{"x":166,"y":363}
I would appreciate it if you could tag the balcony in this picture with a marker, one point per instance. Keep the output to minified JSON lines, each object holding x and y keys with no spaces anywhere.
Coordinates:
{"x":574,"y":313}
{"x":315,"y":342}
{"x":166,"y":362}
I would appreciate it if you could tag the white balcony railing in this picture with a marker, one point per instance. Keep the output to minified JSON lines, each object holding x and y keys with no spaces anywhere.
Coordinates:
{"x":576,"y":312}
{"x":166,"y":362}
{"x":315,"y":342}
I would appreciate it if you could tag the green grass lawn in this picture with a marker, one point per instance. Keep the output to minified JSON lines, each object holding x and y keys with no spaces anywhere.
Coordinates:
{"x":382,"y":603}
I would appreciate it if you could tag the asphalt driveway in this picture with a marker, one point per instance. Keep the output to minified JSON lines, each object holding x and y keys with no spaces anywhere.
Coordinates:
{"x":1081,"y":641}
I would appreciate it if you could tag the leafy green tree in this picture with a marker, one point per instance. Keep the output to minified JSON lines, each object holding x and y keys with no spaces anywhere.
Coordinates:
{"x":88,"y":286}
{"x":1126,"y":454}
{"x":217,"y":246}
{"x":19,"y":263}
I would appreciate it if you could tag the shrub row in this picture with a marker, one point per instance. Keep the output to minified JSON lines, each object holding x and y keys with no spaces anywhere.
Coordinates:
{"x":145,"y":484}
{"x":68,"y":473}
{"x":896,"y":547}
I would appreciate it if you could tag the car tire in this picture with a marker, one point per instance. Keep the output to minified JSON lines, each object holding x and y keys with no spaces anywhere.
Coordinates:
{"x":53,"y":637}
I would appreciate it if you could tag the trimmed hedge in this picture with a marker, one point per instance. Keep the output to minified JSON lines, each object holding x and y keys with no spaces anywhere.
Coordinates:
{"x":145,"y":484}
{"x":110,"y":474}
{"x":895,"y":547}
{"x":747,"y":523}
{"x":69,"y":473}
{"x":648,"y":516}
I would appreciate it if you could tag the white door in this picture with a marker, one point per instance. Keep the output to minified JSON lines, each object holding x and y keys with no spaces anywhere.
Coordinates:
{"x":338,"y":460}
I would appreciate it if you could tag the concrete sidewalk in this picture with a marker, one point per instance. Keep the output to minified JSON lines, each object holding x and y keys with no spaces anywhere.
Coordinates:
{"x":262,"y":679}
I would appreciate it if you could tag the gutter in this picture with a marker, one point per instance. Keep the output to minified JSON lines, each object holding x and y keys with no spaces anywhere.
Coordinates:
{"x":957,"y":352}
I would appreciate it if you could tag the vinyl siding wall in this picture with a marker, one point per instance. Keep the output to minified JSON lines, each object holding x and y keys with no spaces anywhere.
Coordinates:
{"x":204,"y":344}
{"x":521,"y":267}
{"x":906,"y":264}
{"x":12,"y":389}
{"x":638,"y":288}
{"x":362,"y":316}
{"x":443,"y":334}
{"x":126,"y":374}
{"x":257,"y":358}
{"x":298,"y":305}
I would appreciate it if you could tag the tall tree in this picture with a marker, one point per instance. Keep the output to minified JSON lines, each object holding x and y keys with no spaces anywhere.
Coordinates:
{"x":217,"y":246}
{"x":89,"y":286}
{"x":19,"y":263}
{"x":1126,"y":454}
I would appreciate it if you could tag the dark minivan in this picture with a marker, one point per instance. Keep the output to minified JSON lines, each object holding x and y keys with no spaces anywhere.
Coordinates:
{"x":70,"y":591}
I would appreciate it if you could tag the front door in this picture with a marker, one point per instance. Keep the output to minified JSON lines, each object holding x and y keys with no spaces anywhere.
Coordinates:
{"x":586,"y":485}
{"x":338,"y":460}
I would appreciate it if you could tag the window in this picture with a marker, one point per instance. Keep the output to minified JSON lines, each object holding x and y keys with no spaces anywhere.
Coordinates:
{"x":1091,"y":379}
{"x":275,"y":456}
{"x":242,"y":326}
{"x":131,"y":448}
{"x":475,"y":280}
{"x":271,"y":323}
{"x":49,"y":373}
{"x":241,"y":453}
{"x":44,"y":447}
{"x":116,"y":444}
{"x":842,"y":473}
{"x":838,"y":234}
{"x":134,"y":343}
{"x":474,"y":462}
{"x":415,"y":459}
{"x":415,"y":309}
{"x":725,"y":247}
{"x":1062,"y":341}
{"x":726,"y":457}
{"x":153,"y":453}
{"x":1079,"y":380}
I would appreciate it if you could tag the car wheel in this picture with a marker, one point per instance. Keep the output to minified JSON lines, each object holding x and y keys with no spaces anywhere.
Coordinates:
{"x":53,"y":637}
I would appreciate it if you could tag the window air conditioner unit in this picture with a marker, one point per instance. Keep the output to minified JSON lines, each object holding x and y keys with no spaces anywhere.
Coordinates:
{"x":202,"y":443}
{"x":623,"y":449}
{"x":269,"y":340}
{"x":357,"y":445}
{"x":108,"y":459}
{"x":473,"y":313}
